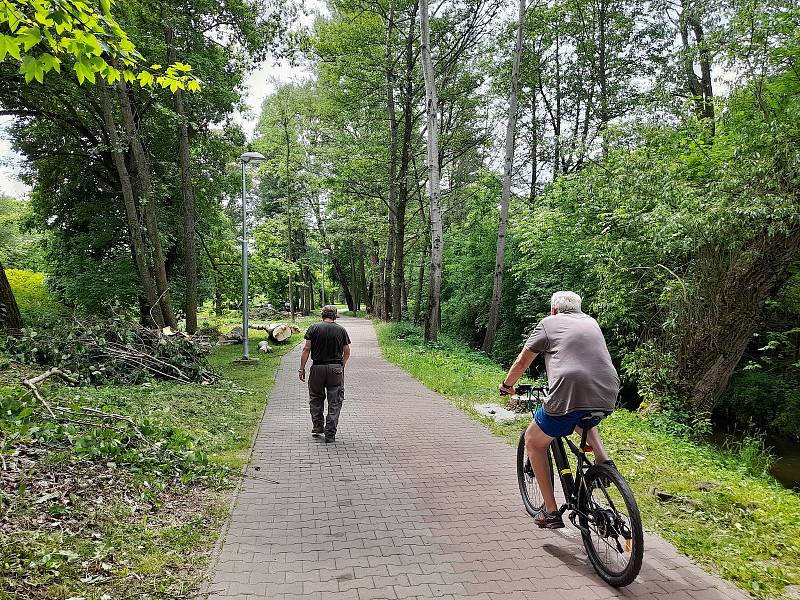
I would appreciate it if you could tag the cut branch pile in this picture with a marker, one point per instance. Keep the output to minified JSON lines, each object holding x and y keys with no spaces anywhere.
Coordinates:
{"x":114,"y":351}
{"x":82,"y":415}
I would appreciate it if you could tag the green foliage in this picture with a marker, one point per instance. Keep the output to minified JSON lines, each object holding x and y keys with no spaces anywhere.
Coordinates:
{"x":19,"y":248}
{"x":757,"y":400}
{"x":739,"y":522}
{"x":42,"y":35}
{"x":35,"y":301}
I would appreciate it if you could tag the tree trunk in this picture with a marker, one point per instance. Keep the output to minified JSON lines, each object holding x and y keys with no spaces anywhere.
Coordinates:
{"x":12,"y":320}
{"x":405,"y":294}
{"x":508,"y":167}
{"x":420,"y":285}
{"x":433,"y":322}
{"x":362,"y":280}
{"x":557,"y":164}
{"x":143,"y":186}
{"x":700,"y":88}
{"x":602,"y":77}
{"x":187,"y":190}
{"x":719,"y":328}
{"x":705,"y":71}
{"x":289,"y":220}
{"x":353,"y":279}
{"x":534,"y":151}
{"x":377,"y":288}
{"x":312,"y":299}
{"x":341,"y":275}
{"x":405,"y":161}
{"x":137,"y":238}
{"x":392,"y":114}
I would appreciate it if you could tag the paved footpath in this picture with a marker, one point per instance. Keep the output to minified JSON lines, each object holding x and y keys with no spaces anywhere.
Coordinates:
{"x":414,"y":500}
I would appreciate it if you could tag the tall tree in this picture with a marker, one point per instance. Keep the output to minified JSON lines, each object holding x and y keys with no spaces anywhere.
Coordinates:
{"x":433,"y":321}
{"x":187,"y":192}
{"x":508,"y":168}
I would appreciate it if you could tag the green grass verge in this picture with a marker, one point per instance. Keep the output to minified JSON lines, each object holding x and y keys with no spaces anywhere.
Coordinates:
{"x":746,"y":527}
{"x":79,"y":527}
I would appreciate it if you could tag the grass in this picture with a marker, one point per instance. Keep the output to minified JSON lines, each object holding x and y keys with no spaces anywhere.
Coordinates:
{"x":32,"y":296}
{"x":745,"y":526}
{"x":73,"y":527}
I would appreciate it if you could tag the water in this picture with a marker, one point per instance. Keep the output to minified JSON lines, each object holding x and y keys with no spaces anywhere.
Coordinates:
{"x":786,"y":468}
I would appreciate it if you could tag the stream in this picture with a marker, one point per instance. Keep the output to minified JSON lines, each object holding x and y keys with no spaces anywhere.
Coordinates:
{"x":786,"y":468}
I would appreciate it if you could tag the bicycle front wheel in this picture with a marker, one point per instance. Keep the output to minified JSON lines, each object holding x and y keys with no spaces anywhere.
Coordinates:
{"x":528,"y":486}
{"x":612,"y":527}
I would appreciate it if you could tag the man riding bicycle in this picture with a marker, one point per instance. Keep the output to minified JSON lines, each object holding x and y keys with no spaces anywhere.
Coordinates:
{"x":581,"y":378}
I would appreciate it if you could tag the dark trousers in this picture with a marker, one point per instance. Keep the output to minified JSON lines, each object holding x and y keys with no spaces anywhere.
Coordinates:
{"x":321,"y":380}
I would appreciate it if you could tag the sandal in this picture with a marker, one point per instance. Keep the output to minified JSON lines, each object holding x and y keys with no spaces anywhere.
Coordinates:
{"x":547,"y":520}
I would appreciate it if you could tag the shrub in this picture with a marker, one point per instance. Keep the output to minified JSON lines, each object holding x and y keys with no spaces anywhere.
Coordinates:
{"x":758,"y":400}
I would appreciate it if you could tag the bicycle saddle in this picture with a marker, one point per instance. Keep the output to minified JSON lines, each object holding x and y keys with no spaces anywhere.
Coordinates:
{"x":596,"y":414}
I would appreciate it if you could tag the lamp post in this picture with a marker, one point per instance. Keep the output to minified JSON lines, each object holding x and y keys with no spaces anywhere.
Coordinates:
{"x":325,"y":253}
{"x":246,"y":158}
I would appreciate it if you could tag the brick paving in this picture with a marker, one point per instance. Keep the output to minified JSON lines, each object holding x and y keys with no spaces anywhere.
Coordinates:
{"x":414,"y":500}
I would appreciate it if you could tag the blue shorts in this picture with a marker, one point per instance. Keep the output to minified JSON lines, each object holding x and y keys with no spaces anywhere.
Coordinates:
{"x":563,"y":425}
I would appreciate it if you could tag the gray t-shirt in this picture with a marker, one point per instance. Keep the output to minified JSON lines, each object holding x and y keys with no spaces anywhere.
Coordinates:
{"x":579,"y":369}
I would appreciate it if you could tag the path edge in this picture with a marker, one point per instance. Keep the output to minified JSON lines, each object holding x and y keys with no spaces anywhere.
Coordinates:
{"x":208,"y":575}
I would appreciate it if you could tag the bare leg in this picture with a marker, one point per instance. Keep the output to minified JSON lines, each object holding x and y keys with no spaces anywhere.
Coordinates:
{"x":593,"y":439}
{"x":536,"y":443}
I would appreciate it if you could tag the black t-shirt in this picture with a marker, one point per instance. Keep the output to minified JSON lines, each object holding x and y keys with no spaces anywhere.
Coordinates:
{"x":327,"y":342}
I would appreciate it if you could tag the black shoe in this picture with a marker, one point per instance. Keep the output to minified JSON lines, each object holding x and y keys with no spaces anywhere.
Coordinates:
{"x":548,"y":520}
{"x":316,"y":433}
{"x":330,"y":438}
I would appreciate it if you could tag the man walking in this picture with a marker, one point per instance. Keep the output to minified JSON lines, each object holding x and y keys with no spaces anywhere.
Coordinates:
{"x":329,"y":346}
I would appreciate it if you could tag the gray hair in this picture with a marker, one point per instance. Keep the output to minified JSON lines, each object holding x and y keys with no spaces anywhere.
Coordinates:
{"x":566,"y":302}
{"x":329,"y":312}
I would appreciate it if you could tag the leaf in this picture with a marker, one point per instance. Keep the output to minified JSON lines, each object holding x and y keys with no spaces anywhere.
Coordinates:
{"x":9,"y":45}
{"x":29,"y":36}
{"x":31,"y":68}
{"x":145,"y":79}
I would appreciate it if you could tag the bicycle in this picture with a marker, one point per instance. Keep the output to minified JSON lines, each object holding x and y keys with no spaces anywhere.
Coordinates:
{"x":595,"y":495}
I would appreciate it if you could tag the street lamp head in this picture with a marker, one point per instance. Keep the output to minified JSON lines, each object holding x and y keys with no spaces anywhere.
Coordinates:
{"x":252,"y":157}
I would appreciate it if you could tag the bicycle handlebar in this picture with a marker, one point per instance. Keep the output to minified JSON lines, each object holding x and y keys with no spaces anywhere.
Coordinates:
{"x":527,"y":388}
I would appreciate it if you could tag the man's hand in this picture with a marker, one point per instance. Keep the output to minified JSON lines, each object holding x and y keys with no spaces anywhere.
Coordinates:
{"x":505,"y":390}
{"x":301,"y":373}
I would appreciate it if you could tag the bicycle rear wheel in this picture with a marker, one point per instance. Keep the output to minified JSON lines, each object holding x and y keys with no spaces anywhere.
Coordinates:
{"x":612,"y":533}
{"x":528,"y":486}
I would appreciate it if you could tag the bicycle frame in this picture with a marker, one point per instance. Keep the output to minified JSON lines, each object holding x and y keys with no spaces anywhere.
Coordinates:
{"x":569,"y":483}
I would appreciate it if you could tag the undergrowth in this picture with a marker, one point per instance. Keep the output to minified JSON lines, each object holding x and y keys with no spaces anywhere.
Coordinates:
{"x":118,"y":511}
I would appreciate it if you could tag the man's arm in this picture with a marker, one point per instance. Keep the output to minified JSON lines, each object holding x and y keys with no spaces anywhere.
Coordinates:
{"x":521,"y":364}
{"x":304,"y":359}
{"x":345,"y":355}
